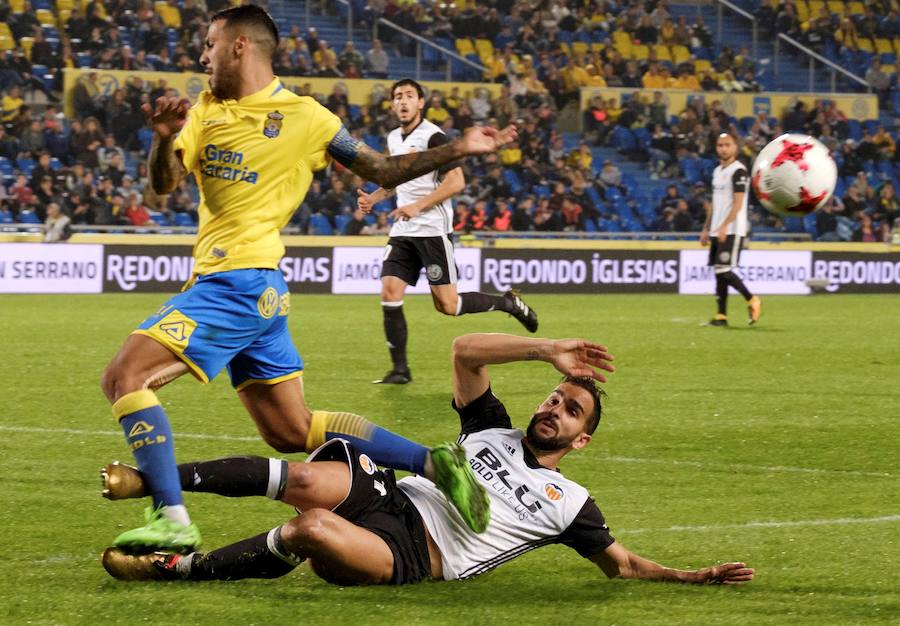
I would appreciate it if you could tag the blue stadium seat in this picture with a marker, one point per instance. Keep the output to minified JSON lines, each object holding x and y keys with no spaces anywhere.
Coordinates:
{"x":184,"y":219}
{"x":29,"y":217}
{"x":692,"y":170}
{"x":590,"y":226}
{"x":55,"y":164}
{"x":794,"y":225}
{"x":809,"y":225}
{"x":871,"y":126}
{"x":541,"y":191}
{"x":512,"y":179}
{"x":160,"y":219}
{"x":6,"y":217}
{"x":6,"y":168}
{"x":320,"y":225}
{"x":854,"y":130}
{"x":25,"y":165}
{"x":374,"y":141}
{"x":85,"y":59}
{"x":341,"y":222}
{"x":145,"y":139}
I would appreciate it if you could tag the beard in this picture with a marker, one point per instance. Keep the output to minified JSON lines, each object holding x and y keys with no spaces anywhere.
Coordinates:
{"x":540,"y":442}
{"x":227,"y":84}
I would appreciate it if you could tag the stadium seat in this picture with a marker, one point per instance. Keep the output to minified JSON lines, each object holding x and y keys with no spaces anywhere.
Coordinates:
{"x":541,"y":191}
{"x":485,"y":50}
{"x":580,"y":48}
{"x":680,"y":54}
{"x":6,"y":217}
{"x":692,"y":170}
{"x":184,"y":219}
{"x":25,"y":165}
{"x":320,"y":225}
{"x":590,"y":226}
{"x":883,"y":46}
{"x":341,"y":222}
{"x":794,"y":225}
{"x":702,"y":65}
{"x":809,"y":225}
{"x":145,"y":138}
{"x":160,"y":219}
{"x":84,"y":59}
{"x":662,"y":52}
{"x":28,"y":217}
{"x":640,"y":52}
{"x":464,"y":47}
{"x":45,"y":17}
{"x":856,"y":8}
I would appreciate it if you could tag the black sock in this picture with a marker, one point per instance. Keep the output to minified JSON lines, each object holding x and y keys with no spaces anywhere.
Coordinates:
{"x":262,"y":556}
{"x":477,"y":302}
{"x":236,"y":476}
{"x":721,"y":293}
{"x":735,"y":281}
{"x":395,"y":333}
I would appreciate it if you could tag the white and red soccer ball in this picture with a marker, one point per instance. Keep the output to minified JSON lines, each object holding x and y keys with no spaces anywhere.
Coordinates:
{"x":794,"y":175}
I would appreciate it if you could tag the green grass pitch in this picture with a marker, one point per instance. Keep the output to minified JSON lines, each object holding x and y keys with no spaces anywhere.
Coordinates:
{"x":776,"y":445}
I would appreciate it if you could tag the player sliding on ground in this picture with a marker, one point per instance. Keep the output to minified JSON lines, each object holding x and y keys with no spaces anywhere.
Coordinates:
{"x":253,"y":146}
{"x":358,"y":526}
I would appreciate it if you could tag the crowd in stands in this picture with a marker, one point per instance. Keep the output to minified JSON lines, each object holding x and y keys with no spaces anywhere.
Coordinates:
{"x":90,"y":170}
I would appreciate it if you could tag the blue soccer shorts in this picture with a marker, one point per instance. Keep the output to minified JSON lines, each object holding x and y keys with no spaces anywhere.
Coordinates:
{"x":235,"y":319}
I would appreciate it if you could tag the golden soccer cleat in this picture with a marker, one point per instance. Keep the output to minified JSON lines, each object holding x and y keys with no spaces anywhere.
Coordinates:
{"x":754,"y":309}
{"x":154,"y":566}
{"x":122,"y":481}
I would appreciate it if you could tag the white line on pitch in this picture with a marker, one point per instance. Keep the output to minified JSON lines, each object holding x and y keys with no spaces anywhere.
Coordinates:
{"x":618,"y":459}
{"x":741,"y":466}
{"x":841,"y":521}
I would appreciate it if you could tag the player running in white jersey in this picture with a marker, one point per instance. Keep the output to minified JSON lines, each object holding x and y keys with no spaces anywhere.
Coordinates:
{"x":421,"y":236}
{"x":727,"y":222}
{"x":357,"y":526}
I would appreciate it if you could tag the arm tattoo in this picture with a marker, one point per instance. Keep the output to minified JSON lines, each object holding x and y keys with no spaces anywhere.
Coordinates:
{"x":388,"y":172}
{"x":532,"y":355}
{"x":164,"y":166}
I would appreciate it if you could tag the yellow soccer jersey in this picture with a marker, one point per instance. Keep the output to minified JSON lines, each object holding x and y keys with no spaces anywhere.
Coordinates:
{"x":253,"y":159}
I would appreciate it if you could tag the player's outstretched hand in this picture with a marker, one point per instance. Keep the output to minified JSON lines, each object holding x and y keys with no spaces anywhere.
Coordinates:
{"x":577,"y":357}
{"x":485,"y":139}
{"x":167,"y":115}
{"x":364,"y":201}
{"x":725,"y":574}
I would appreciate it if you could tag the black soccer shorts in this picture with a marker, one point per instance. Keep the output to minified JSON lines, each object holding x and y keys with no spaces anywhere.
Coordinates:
{"x":727,"y":255}
{"x":404,"y":258}
{"x":376,"y":504}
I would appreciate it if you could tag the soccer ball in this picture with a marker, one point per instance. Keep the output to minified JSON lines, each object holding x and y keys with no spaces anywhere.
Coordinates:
{"x":794,"y":175}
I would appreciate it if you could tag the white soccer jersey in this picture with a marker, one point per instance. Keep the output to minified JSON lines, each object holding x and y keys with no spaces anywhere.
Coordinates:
{"x":438,"y":220}
{"x":531,"y":506}
{"x":726,"y":181}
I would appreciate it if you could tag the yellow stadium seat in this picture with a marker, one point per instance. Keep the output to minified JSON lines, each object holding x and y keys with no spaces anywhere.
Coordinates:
{"x":484,"y":48}
{"x":815,"y":6}
{"x":856,"y":8}
{"x":598,"y":46}
{"x":680,"y":54}
{"x":865,"y":44}
{"x":465,"y":47}
{"x":565,"y":49}
{"x":622,"y":43}
{"x":897,"y":46}
{"x":580,"y":47}
{"x":836,"y":7}
{"x":64,"y":15}
{"x":26,"y":43}
{"x":17,"y":6}
{"x":45,"y":17}
{"x":802,"y":10}
{"x":883,"y":46}
{"x":5,"y":31}
{"x":702,"y":65}
{"x":65,"y":5}
{"x":170,"y":15}
{"x":7,"y":43}
{"x":639,"y":52}
{"x":662,"y":52}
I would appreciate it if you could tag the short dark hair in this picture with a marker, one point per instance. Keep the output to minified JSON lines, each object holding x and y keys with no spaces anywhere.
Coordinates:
{"x":408,"y":81}
{"x":597,"y":394}
{"x":254,"y":17}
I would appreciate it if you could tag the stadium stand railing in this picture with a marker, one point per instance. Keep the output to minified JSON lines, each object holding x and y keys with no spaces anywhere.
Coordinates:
{"x":833,"y":68}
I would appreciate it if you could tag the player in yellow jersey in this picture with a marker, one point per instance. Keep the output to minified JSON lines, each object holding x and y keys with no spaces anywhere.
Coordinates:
{"x":253,"y":147}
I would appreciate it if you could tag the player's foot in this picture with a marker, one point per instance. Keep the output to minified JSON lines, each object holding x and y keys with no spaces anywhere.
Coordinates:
{"x":160,"y":533}
{"x":121,"y":481}
{"x":395,"y":377}
{"x":454,"y":477}
{"x":754,"y":309}
{"x":521,"y":311}
{"x":718,"y":320}
{"x":153,"y":566}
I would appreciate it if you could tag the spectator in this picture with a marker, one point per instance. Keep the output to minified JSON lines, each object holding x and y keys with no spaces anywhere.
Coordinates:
{"x":502,"y":219}
{"x":57,"y":226}
{"x":878,"y":80}
{"x":380,"y":227}
{"x":350,"y":56}
{"x":136,"y":213}
{"x":377,"y":60}
{"x":521,"y":219}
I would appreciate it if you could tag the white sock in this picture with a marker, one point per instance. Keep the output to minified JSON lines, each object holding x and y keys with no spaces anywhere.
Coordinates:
{"x":178,"y":514}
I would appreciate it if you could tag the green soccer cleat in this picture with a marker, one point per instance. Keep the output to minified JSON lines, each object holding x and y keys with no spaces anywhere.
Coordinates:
{"x":160,"y":533}
{"x":153,"y":566}
{"x":122,"y":481}
{"x":454,"y":478}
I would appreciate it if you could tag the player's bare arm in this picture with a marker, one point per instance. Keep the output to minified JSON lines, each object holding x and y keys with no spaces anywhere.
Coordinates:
{"x":704,"y":234}
{"x":619,"y":562}
{"x":453,"y":183}
{"x":472,"y":353}
{"x":166,"y":118}
{"x":366,"y":201}
{"x":390,"y":171}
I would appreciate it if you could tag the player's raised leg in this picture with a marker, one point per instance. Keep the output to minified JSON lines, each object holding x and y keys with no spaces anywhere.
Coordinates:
{"x":141,"y":366}
{"x":449,"y":302}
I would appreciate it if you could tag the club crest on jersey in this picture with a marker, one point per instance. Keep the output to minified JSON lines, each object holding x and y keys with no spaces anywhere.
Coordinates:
{"x":272,"y":127}
{"x":554,"y":491}
{"x":366,"y":464}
